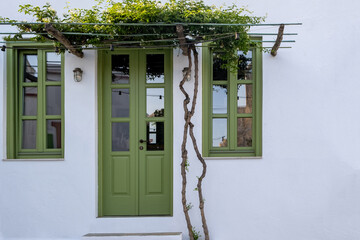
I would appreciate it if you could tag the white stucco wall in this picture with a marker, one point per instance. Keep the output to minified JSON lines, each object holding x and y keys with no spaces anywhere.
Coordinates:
{"x":305,"y":187}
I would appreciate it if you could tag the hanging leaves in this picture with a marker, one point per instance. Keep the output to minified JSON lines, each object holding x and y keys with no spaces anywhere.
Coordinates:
{"x":98,"y":27}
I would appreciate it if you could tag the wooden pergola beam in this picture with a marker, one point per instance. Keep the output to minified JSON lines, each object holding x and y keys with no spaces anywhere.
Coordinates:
{"x":278,"y":40}
{"x":63,"y":40}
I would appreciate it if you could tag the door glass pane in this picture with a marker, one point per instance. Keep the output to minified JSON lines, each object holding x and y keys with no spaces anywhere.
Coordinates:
{"x":120,"y":102}
{"x":155,"y":68}
{"x":30,"y":101}
{"x":219,"y":73}
{"x":28,"y":134}
{"x":219,"y":99}
{"x":244,"y":132}
{"x":155,"y":136}
{"x":53,"y":67}
{"x":120,"y":69}
{"x":155,"y":102}
{"x":219,"y":130}
{"x":31,"y":68}
{"x":244,"y":98}
{"x":53,"y":133}
{"x":120,"y":136}
{"x":53,"y":100}
{"x":245,"y":66}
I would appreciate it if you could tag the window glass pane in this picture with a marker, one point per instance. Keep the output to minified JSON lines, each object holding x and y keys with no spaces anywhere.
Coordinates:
{"x":31,"y":68}
{"x":155,"y":68}
{"x":53,"y":67}
{"x":120,"y":136}
{"x":244,"y":132}
{"x":53,"y":100}
{"x":30,"y":101}
{"x":245,"y":66}
{"x":155,"y":136}
{"x":155,"y":102}
{"x":120,"y":69}
{"x":219,"y":99}
{"x":53,"y":133}
{"x":120,"y":102}
{"x":219,"y":130}
{"x":219,"y":73}
{"x":28,"y":134}
{"x":244,"y":98}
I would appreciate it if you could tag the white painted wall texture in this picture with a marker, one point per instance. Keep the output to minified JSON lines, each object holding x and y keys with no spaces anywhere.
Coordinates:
{"x":305,"y":187}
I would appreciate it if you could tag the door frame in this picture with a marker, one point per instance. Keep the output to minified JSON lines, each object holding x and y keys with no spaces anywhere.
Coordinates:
{"x":101,"y":55}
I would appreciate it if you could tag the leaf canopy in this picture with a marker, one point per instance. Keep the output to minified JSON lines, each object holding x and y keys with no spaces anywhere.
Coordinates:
{"x":97,"y":26}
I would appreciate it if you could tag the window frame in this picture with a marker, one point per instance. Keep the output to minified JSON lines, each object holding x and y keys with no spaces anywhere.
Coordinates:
{"x":14,"y":69}
{"x":230,"y":151}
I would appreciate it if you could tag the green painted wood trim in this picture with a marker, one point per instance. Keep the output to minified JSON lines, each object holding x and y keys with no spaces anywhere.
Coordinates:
{"x":258,"y":101}
{"x":11,"y":108}
{"x":231,"y":150}
{"x":15,"y":63}
{"x":102,"y":59}
{"x":207,"y":68}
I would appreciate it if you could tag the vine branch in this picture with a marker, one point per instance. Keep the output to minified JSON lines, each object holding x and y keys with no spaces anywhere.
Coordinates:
{"x":195,"y":146}
{"x":278,"y":40}
{"x":184,"y":153}
{"x":63,"y":40}
{"x":189,"y":127}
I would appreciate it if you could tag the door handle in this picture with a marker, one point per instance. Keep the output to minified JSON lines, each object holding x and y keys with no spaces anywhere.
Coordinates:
{"x":142,"y":141}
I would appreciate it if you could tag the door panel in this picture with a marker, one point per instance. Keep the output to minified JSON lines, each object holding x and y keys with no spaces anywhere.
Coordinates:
{"x":121,"y":175}
{"x":136,"y":146}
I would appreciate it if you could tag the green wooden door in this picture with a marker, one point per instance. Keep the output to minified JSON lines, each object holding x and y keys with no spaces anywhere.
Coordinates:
{"x":135,"y":133}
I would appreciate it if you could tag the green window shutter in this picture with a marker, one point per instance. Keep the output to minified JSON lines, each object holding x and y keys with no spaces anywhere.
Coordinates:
{"x":35,"y":102}
{"x":232,"y":106}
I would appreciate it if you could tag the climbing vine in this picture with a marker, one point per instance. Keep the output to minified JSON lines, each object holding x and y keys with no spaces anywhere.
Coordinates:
{"x":145,"y":23}
{"x":150,"y":24}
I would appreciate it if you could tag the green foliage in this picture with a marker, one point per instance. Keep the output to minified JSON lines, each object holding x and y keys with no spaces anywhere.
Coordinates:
{"x":196,"y":234}
{"x":147,"y":11}
{"x":189,"y":206}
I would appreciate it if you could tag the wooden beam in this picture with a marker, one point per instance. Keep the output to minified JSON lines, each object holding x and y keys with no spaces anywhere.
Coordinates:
{"x":278,"y":40}
{"x":182,"y":39}
{"x":63,"y":40}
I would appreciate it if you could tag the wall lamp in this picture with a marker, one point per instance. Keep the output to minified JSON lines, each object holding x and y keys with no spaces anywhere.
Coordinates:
{"x":77,"y":74}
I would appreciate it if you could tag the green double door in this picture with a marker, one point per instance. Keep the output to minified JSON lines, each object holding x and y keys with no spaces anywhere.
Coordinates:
{"x":135,"y":137}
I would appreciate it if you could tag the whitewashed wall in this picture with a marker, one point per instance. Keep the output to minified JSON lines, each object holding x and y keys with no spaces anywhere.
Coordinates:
{"x":305,"y":187}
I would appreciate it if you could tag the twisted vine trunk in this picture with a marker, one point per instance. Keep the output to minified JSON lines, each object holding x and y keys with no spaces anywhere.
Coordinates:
{"x":184,"y":153}
{"x":189,"y":127}
{"x":198,"y":154}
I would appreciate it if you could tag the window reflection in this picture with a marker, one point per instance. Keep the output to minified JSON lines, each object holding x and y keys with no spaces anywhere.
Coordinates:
{"x":30,"y":101}
{"x":155,"y":136}
{"x":219,"y":73}
{"x":53,"y":100}
{"x":120,"y":69}
{"x":219,"y":130}
{"x":31,"y":68}
{"x":53,"y":67}
{"x":244,"y":66}
{"x":155,"y":68}
{"x":53,"y":132}
{"x":244,"y":98}
{"x":29,"y":134}
{"x":120,"y":102}
{"x":219,"y":99}
{"x":155,"y":102}
{"x":244,"y":132}
{"x":120,"y":136}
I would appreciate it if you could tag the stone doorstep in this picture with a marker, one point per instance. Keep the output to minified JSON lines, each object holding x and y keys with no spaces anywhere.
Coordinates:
{"x":134,"y":236}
